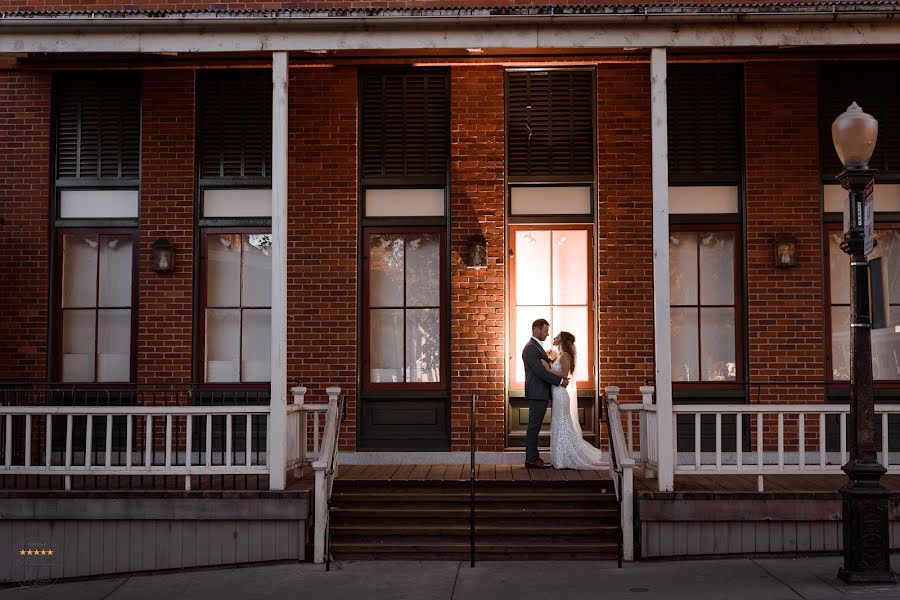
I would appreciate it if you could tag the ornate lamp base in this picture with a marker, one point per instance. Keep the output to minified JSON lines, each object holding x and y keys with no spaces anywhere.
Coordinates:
{"x":867,"y":557}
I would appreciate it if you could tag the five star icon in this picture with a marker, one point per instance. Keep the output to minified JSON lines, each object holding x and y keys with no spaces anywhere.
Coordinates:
{"x":30,"y":552}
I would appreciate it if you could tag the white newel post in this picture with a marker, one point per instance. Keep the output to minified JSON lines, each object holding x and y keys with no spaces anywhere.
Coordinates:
{"x":648,"y":435}
{"x":661,"y":313}
{"x":278,"y":408}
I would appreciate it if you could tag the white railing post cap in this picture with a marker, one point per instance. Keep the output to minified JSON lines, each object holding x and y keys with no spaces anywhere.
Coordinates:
{"x":333,"y":390}
{"x":647,"y":389}
{"x":612,"y":390}
{"x":299,"y":393}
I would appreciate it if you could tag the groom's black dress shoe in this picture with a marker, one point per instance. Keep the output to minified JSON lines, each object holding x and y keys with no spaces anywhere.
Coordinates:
{"x":536,"y":464}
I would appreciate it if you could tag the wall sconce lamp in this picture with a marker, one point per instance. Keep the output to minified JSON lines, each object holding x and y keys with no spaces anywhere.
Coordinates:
{"x":163,"y":256}
{"x":785,"y":250}
{"x":476,"y":252}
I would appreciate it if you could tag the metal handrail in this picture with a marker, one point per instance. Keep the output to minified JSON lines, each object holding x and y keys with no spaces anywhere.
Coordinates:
{"x":329,"y":479}
{"x":472,"y":484}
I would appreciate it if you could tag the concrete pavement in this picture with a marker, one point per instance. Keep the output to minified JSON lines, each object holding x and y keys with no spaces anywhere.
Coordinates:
{"x":732,"y":579}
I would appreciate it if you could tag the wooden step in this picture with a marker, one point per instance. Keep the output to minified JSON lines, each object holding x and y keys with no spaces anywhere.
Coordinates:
{"x":479,"y":483}
{"x":381,"y":495}
{"x":482,"y":530}
{"x":539,"y":550}
{"x":414,"y":511}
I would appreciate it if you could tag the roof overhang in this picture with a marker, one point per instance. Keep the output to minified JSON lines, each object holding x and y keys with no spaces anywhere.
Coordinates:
{"x":535,"y":28}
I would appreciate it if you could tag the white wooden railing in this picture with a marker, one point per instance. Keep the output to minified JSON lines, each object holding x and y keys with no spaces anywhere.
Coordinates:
{"x":644,"y":413}
{"x":326,"y":468}
{"x":621,"y":471}
{"x":176,"y":457}
{"x":776,"y":448}
{"x":306,"y":427}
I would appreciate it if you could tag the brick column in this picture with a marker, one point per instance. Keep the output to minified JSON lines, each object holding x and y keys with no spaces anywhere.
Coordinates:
{"x":322,"y":235}
{"x":785,"y":306}
{"x":25,"y":167}
{"x":477,"y":302}
{"x":625,"y":244}
{"x":167,"y":210}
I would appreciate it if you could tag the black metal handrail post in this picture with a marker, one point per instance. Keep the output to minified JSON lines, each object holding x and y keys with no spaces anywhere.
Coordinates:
{"x":472,"y":485}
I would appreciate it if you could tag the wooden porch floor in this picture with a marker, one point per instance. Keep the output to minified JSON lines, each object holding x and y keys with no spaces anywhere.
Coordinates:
{"x":683,"y":483}
{"x":452,"y":473}
{"x":748,"y":483}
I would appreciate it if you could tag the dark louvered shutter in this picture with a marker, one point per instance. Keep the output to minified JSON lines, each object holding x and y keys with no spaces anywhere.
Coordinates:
{"x":705,"y":121}
{"x":550,"y":124}
{"x":235,"y":125}
{"x":875,"y":87}
{"x":98,"y":127}
{"x":405,"y":125}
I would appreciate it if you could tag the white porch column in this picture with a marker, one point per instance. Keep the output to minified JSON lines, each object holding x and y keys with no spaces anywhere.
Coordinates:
{"x":278,"y":410}
{"x":661,"y":315}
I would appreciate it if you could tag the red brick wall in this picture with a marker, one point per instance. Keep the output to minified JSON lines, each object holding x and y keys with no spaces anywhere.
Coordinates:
{"x":477,"y":302}
{"x":785,"y":305}
{"x":24,"y":245}
{"x":322,"y":235}
{"x":785,"y":309}
{"x":625,"y":298}
{"x":167,"y":210}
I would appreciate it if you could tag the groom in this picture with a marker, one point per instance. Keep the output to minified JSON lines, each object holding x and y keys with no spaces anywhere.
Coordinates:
{"x":537,"y":390}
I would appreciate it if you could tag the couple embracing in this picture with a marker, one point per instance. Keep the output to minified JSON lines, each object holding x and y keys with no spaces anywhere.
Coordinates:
{"x":546,"y":383}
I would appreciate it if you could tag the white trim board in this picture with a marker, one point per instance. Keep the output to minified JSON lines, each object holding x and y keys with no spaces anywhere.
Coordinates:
{"x":411,"y":33}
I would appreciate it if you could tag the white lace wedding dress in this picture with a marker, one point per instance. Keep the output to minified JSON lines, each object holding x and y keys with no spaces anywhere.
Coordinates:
{"x":568,"y":449}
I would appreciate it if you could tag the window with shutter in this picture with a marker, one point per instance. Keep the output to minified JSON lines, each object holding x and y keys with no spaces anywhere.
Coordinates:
{"x":405,"y":125}
{"x":875,"y":87}
{"x":550,"y":125}
{"x":98,"y":127}
{"x":234,"y":112}
{"x":704,"y":120}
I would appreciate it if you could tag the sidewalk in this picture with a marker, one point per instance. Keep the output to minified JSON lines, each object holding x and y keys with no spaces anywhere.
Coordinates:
{"x":734,"y":579}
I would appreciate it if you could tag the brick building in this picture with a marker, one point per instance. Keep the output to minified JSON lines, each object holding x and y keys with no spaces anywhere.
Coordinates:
{"x":628,"y":167}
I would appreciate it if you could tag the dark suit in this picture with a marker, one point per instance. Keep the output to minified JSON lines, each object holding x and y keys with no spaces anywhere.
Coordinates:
{"x":537,"y":392}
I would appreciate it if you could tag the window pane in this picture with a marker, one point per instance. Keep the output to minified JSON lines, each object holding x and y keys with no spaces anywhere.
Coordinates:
{"x":257,"y":267}
{"x":386,"y":270}
{"x":256,"y":345}
{"x":116,"y":267}
{"x":717,"y":343}
{"x":423,"y":345}
{"x":840,"y":342}
{"x":886,"y":348}
{"x":114,"y":345}
{"x":685,"y":349}
{"x":839,"y":273}
{"x":533,"y":283}
{"x":223,"y":344}
{"x":683,"y":268}
{"x":79,"y":271}
{"x":386,"y":345}
{"x":889,"y":248}
{"x":570,"y":269}
{"x":223,"y":287}
{"x":717,"y":268}
{"x":525,"y":316}
{"x":423,"y":270}
{"x":78,"y":345}
{"x":574,"y":319}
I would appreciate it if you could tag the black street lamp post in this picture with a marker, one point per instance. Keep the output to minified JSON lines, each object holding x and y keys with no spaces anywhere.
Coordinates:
{"x":864,"y":499}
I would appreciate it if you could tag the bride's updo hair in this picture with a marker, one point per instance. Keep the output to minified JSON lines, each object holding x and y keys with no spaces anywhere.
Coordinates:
{"x":567,"y":345}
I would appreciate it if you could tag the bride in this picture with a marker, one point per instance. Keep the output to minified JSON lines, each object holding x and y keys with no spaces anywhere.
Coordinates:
{"x":568,"y":448}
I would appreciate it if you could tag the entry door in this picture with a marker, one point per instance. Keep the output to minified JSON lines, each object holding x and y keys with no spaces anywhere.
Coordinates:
{"x":551,"y":277}
{"x":404,"y":403}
